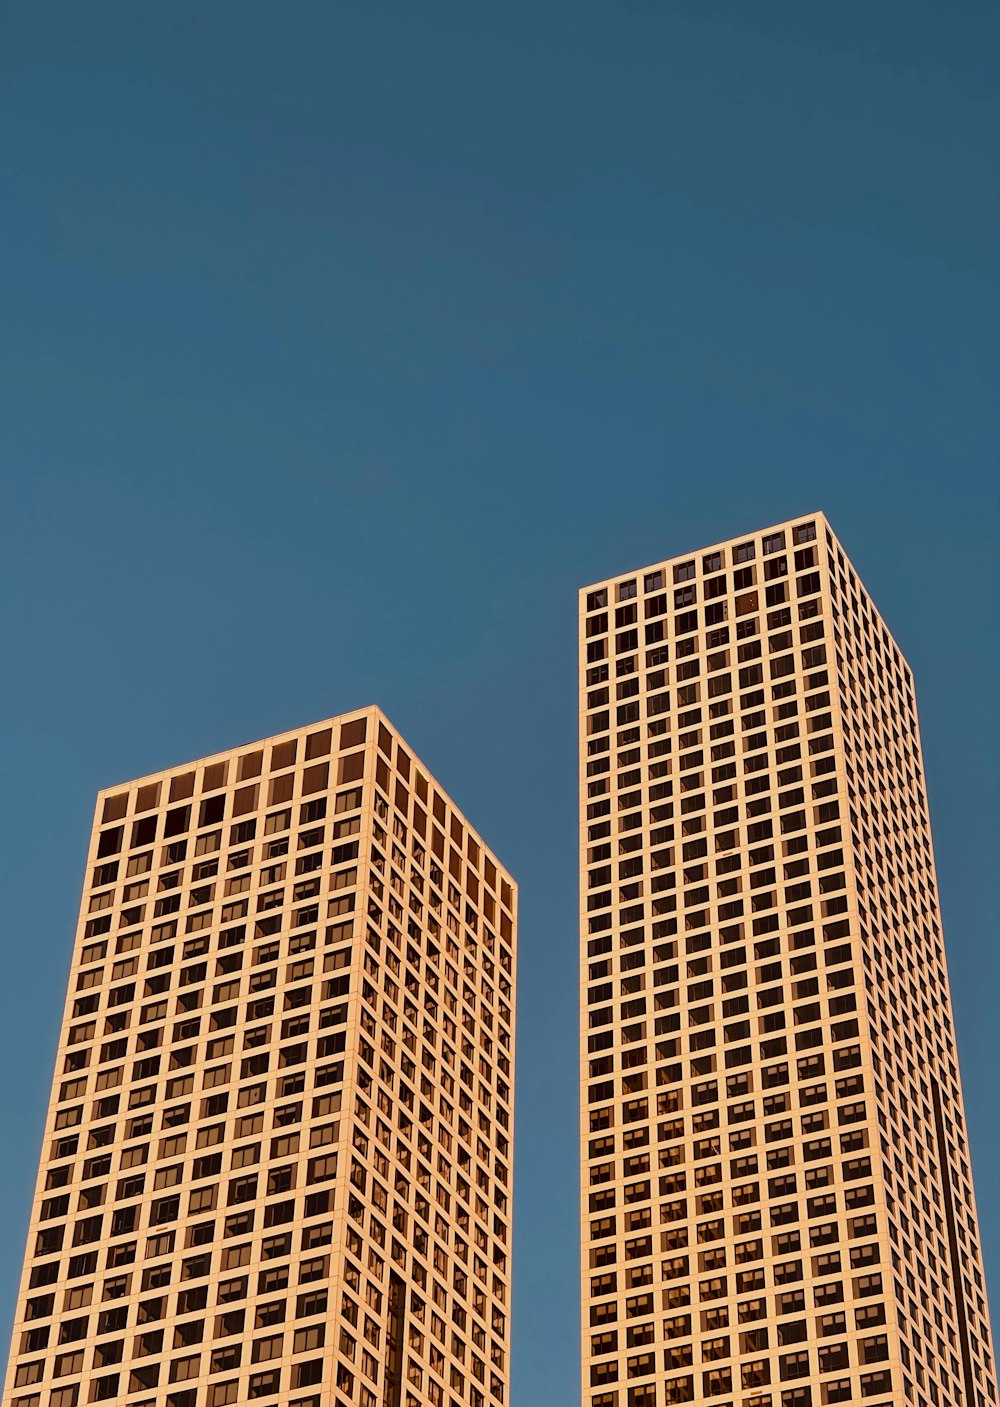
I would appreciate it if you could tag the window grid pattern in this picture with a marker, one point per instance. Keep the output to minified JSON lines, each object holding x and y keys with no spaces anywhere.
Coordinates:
{"x":238,"y":1200}
{"x":735,"y":1235}
{"x":945,"y":1347}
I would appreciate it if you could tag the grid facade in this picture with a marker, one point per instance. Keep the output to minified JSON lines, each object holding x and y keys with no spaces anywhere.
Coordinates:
{"x":277,"y":1161}
{"x":777,"y":1203}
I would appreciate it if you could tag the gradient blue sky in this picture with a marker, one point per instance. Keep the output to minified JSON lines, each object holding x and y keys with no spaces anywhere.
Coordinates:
{"x":340,"y":343}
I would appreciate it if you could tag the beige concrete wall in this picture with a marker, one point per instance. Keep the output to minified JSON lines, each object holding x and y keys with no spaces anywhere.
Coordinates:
{"x":277,"y":1162}
{"x":747,"y":1154}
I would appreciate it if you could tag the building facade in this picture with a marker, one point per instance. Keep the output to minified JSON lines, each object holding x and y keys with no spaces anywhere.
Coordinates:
{"x":777,"y":1201}
{"x":277,"y":1161}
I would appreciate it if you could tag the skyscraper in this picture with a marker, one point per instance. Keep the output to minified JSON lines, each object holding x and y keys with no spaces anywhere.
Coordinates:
{"x":777,"y":1198}
{"x":277,"y":1162}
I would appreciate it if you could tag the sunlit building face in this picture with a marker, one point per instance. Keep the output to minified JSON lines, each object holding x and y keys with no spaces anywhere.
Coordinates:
{"x":777,"y":1205}
{"x":277,"y":1159}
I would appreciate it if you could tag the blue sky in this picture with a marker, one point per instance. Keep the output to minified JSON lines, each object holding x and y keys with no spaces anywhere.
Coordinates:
{"x":340,"y":344}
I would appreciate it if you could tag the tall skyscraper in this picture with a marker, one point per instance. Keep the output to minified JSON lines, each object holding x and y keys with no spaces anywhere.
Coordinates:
{"x":277,"y":1162}
{"x":777,"y":1198}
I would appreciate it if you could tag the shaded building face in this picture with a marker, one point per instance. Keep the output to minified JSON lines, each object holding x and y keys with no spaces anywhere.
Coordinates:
{"x":777,"y":1204}
{"x":277,"y":1162}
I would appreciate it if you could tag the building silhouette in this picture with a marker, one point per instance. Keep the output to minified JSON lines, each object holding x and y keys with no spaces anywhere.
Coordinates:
{"x":777,"y":1201}
{"x":277,"y":1161}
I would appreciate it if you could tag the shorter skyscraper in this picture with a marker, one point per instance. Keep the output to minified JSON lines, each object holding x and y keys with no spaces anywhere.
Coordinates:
{"x":277,"y":1161}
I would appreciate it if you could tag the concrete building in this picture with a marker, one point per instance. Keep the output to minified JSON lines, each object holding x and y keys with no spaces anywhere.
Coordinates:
{"x":777,"y":1199}
{"x":277,"y":1162}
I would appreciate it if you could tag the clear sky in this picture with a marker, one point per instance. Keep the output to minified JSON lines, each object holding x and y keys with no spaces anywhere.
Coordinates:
{"x":340,"y":343}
